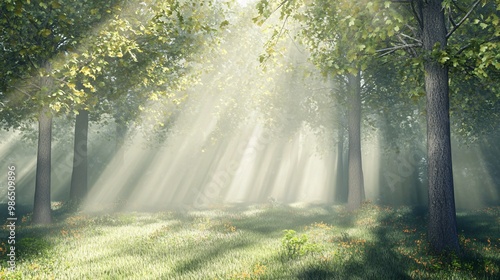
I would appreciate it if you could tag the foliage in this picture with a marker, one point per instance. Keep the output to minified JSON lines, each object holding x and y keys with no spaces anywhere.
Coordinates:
{"x":108,"y":58}
{"x":32,"y":71}
{"x":294,"y":245}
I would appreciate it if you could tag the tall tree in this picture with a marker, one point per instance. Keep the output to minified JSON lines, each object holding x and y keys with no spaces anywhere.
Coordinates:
{"x":442,"y":227}
{"x":167,"y":38}
{"x":336,"y":46}
{"x":356,"y":194}
{"x":422,"y":29}
{"x":42,"y":202}
{"x":434,"y":24}
{"x":79,"y":175}
{"x":32,"y":83}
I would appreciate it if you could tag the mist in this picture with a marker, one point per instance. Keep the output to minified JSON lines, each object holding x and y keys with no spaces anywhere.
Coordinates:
{"x":251,"y":133}
{"x":249,"y":139}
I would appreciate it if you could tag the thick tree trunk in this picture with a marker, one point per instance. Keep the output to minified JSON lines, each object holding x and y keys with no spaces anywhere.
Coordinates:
{"x":356,"y":183}
{"x":442,"y":231}
{"x":79,"y":176}
{"x":41,"y":208}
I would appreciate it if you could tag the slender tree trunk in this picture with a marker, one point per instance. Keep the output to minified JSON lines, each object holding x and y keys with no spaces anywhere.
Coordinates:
{"x":41,"y":208}
{"x":442,"y":230}
{"x":340,"y":188}
{"x":79,"y":176}
{"x":121,"y":132}
{"x":356,"y":183}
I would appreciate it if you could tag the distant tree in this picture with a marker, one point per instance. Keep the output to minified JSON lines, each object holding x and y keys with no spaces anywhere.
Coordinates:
{"x":339,"y":37}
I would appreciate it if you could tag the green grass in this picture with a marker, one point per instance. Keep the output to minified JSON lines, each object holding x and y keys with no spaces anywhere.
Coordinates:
{"x":259,"y":242}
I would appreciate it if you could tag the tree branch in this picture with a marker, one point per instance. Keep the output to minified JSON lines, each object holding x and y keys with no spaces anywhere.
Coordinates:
{"x":462,"y":49}
{"x":22,"y":91}
{"x":400,"y":37}
{"x":390,"y":50}
{"x":463,"y":19}
{"x":411,"y":38}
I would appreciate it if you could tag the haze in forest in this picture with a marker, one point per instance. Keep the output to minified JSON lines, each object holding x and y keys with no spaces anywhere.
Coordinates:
{"x":252,"y":132}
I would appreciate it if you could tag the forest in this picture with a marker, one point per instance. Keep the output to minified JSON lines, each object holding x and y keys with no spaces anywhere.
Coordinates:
{"x":250,"y":139}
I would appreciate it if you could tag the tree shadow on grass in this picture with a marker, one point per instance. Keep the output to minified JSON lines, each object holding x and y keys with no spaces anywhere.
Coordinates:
{"x":205,"y":256}
{"x":27,"y":241}
{"x":32,"y":242}
{"x":481,"y":224}
{"x":270,"y":220}
{"x":378,"y":260}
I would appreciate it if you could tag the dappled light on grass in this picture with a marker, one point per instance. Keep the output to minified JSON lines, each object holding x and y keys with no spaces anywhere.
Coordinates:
{"x":248,"y":243}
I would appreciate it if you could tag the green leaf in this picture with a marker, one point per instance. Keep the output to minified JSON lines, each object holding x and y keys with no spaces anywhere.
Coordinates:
{"x":45,"y":32}
{"x":224,"y":24}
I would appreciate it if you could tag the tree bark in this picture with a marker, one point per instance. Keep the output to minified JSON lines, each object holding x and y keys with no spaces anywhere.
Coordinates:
{"x":42,"y":208}
{"x":355,"y":168}
{"x":442,"y":228}
{"x":79,"y":176}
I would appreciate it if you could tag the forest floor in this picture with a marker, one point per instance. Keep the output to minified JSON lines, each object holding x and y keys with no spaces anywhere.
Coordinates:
{"x":255,"y":242}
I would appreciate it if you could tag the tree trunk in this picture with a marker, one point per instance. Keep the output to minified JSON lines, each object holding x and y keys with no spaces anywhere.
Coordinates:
{"x":442,"y":230}
{"x":121,"y":133}
{"x":79,"y":176}
{"x":340,"y":188}
{"x":41,"y":208}
{"x":356,"y":184}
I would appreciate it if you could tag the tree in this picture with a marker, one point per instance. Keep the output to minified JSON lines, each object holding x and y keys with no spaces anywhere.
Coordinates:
{"x":442,"y":225}
{"x":422,"y":29}
{"x":32,"y":82}
{"x":340,"y":38}
{"x":166,"y":37}
{"x":433,"y":26}
{"x":79,"y":175}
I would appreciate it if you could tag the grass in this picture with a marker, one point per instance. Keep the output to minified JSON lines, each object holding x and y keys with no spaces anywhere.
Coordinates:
{"x":258,"y":242}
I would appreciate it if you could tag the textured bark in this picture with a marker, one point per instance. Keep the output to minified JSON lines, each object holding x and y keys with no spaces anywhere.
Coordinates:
{"x":442,"y":228}
{"x":79,"y":177}
{"x":356,"y":182}
{"x":41,"y":208}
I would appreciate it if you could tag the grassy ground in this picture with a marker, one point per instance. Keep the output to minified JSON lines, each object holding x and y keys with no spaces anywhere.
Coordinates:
{"x":258,"y":242}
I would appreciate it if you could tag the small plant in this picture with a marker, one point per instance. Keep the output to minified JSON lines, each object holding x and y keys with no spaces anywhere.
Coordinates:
{"x":294,"y":245}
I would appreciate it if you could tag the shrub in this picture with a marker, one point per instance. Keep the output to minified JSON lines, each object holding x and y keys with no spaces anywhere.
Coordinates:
{"x":294,"y":245}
